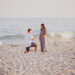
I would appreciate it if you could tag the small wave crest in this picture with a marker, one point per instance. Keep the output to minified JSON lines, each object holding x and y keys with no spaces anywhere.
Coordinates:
{"x":18,"y":36}
{"x":67,"y":35}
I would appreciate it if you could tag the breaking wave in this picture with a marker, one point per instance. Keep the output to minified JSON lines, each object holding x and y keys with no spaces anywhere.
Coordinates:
{"x":67,"y":35}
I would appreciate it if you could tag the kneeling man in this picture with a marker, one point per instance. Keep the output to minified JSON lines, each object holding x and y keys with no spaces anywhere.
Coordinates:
{"x":29,"y":41}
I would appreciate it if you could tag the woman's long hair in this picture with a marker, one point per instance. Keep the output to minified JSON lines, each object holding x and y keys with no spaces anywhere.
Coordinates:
{"x":43,"y":28}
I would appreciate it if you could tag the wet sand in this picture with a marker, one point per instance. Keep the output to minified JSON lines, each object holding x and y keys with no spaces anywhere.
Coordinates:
{"x":58,"y":60}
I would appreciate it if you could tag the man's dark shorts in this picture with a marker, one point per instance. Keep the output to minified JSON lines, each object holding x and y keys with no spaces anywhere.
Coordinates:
{"x":32,"y":45}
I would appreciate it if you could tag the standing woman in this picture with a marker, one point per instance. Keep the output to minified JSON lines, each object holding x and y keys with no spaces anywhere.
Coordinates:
{"x":42,"y":38}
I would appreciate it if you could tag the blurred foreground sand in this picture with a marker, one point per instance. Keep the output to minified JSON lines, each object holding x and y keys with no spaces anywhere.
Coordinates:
{"x":59,"y":60}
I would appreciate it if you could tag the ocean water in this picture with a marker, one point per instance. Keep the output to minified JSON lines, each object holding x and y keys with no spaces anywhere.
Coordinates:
{"x":12,"y":30}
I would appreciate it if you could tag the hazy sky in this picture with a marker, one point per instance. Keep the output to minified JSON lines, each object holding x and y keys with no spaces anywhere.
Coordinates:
{"x":37,"y":8}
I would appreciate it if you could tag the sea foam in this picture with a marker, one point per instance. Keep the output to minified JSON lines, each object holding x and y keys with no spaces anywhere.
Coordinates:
{"x":1,"y":43}
{"x":67,"y":35}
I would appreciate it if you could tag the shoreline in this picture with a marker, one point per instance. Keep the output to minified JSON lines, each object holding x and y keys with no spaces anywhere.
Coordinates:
{"x":49,"y":39}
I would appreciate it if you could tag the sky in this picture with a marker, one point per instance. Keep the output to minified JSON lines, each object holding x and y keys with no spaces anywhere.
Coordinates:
{"x":37,"y":8}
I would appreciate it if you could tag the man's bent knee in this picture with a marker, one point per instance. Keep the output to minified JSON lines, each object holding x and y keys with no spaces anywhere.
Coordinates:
{"x":36,"y":45}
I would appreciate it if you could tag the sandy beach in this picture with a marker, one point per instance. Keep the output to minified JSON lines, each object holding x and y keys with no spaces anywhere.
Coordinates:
{"x":58,"y":60}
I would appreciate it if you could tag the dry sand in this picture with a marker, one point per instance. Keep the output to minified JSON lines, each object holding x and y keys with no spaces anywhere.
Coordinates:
{"x":59,"y":60}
